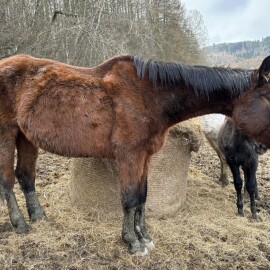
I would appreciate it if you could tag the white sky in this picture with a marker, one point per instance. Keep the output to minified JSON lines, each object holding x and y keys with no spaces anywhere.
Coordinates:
{"x":233,"y":20}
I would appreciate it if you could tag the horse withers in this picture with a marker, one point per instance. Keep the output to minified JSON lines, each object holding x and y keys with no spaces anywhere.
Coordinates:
{"x":121,"y":109}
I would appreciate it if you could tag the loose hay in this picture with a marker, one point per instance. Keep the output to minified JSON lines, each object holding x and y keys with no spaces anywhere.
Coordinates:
{"x":95,"y":182}
{"x":207,"y":234}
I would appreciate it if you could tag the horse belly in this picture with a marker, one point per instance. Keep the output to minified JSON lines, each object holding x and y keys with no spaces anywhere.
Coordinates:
{"x":71,"y":140}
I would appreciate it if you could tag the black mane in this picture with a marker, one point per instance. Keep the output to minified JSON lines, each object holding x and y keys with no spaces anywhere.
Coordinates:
{"x":202,"y":79}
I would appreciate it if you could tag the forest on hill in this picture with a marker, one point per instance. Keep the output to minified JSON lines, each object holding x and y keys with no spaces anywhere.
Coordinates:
{"x":247,"y":54}
{"x":90,"y":31}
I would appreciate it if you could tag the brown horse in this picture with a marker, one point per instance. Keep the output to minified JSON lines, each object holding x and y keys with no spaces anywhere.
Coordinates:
{"x":121,"y":109}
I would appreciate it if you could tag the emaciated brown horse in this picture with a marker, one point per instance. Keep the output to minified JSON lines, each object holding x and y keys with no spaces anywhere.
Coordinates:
{"x":121,"y":109}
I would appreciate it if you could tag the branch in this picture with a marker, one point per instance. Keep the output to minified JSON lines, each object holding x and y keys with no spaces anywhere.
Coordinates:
{"x":57,"y":12}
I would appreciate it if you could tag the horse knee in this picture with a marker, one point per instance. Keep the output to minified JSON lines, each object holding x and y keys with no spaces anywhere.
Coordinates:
{"x":134,"y":195}
{"x":7,"y":176}
{"x":26,"y":180}
{"x":143,"y":192}
{"x":251,"y":187}
{"x":7,"y":179}
{"x":130,"y":198}
{"x":238,"y":184}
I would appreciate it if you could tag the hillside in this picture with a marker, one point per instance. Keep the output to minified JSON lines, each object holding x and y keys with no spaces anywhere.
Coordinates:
{"x":245,"y":54}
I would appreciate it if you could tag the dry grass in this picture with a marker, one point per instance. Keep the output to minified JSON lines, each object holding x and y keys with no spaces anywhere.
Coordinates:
{"x":207,"y":234}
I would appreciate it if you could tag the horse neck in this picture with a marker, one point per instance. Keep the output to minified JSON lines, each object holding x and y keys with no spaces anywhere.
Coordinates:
{"x":182,"y":104}
{"x":189,"y":91}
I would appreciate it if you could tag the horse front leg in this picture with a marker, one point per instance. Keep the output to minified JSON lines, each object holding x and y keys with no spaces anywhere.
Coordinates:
{"x":129,"y":235}
{"x":238,"y":184}
{"x":7,"y":179}
{"x":133,"y":194}
{"x":250,"y":179}
{"x":140,"y":228}
{"x":140,"y":225}
{"x":16,"y":217}
{"x":27,"y":155}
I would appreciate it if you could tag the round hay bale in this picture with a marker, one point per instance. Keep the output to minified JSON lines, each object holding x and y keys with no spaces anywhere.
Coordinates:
{"x":95,"y":185}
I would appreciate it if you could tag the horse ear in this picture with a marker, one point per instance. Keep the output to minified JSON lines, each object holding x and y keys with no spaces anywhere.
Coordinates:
{"x":264,"y":71}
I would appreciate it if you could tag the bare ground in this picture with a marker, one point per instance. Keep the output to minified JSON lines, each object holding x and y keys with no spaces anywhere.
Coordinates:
{"x":206,"y":234}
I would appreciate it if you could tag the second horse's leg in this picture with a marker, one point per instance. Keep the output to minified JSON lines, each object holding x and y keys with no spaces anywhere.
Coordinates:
{"x":238,"y":184}
{"x":257,"y":193}
{"x":224,"y":169}
{"x":27,"y":155}
{"x":250,"y":177}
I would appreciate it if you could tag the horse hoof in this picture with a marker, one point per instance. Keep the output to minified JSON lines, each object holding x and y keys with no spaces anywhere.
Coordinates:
{"x":223,"y":181}
{"x":150,"y":245}
{"x":241,"y":213}
{"x":137,"y":248}
{"x":257,"y":197}
{"x":37,"y":217}
{"x":224,"y":184}
{"x":22,"y":229}
{"x":142,"y":253}
{"x":255,"y":218}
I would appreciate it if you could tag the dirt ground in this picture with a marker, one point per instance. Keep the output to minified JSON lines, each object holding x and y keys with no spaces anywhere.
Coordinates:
{"x":206,"y":234}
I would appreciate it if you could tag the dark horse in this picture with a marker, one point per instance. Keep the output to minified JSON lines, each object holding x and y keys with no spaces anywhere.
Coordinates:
{"x":242,"y":151}
{"x":121,"y":109}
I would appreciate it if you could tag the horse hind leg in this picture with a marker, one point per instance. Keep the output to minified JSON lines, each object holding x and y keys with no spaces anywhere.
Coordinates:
{"x":27,"y":155}
{"x":7,"y":177}
{"x":257,"y":193}
{"x":224,"y":169}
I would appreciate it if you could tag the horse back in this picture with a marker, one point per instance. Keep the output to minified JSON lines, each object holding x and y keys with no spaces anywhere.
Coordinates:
{"x":77,"y":111}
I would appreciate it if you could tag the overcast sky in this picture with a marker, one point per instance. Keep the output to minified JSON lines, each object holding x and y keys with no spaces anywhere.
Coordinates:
{"x":233,"y":20}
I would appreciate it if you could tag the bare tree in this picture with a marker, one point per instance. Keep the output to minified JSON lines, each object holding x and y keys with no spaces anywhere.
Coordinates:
{"x":87,"y":32}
